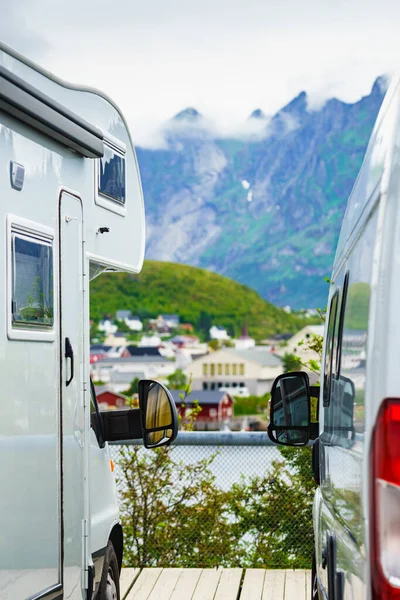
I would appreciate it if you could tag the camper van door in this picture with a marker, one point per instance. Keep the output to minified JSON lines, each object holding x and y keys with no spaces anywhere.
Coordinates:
{"x":71,"y":351}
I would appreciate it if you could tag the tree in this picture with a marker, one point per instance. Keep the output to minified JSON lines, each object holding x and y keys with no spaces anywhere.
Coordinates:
{"x":133,"y":388}
{"x":172,"y":514}
{"x":275,"y":512}
{"x":177,"y":381}
{"x":203,"y":325}
{"x":291,"y":362}
{"x":228,"y":344}
{"x":214,"y":344}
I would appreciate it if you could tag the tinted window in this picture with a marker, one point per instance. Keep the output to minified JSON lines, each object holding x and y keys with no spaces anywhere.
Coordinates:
{"x":339,"y":411}
{"x":112,"y":175}
{"x":95,"y":418}
{"x":32,"y":282}
{"x":329,"y":349}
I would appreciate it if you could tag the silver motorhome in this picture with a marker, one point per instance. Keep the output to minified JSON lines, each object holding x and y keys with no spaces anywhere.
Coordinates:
{"x":73,"y":208}
{"x":356,"y":453}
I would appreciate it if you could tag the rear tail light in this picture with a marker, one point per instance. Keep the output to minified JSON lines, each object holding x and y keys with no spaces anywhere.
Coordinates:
{"x":385,"y":503}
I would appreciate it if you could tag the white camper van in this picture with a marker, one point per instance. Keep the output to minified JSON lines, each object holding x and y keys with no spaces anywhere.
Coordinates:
{"x":356,"y":456}
{"x":73,"y":207}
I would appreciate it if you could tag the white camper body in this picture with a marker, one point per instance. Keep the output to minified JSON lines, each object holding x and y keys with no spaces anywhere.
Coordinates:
{"x":356,"y":452}
{"x":356,"y":512}
{"x":72,"y":207}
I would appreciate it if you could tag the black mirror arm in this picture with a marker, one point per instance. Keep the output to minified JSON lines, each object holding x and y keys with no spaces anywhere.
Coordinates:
{"x":314,"y":427}
{"x":119,"y":425}
{"x":314,"y":391}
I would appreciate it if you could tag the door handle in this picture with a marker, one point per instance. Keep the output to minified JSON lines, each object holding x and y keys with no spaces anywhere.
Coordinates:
{"x":69,"y":353}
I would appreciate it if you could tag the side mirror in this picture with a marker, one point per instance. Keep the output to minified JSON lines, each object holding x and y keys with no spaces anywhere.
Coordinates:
{"x":156,"y":419}
{"x":158,"y":414}
{"x":290,"y":410}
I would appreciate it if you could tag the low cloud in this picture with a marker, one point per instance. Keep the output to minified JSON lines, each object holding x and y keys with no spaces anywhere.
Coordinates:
{"x":157,"y":136}
{"x":319,"y":93}
{"x":250,"y":129}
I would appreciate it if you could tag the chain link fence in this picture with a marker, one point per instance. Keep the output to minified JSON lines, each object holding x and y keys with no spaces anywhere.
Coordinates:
{"x":216,"y":499}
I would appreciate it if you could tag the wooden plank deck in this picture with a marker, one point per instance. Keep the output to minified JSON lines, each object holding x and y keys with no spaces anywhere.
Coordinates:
{"x":215,"y":584}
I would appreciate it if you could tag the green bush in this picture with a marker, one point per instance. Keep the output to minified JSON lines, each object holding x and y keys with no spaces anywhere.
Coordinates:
{"x":176,"y":515}
{"x":252,"y":405}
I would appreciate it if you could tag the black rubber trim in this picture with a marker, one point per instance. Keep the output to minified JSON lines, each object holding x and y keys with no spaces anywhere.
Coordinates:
{"x":99,"y":553}
{"x":98,"y":562}
{"x":30,"y":105}
{"x":53,"y":593}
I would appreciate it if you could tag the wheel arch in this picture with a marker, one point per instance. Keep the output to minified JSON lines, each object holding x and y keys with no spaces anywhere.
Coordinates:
{"x":117,"y":539}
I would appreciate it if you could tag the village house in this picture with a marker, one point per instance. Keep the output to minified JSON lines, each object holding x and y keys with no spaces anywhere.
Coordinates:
{"x":218,"y":333}
{"x":98,"y":351}
{"x":109,"y":400}
{"x":150,"y":340}
{"x":116,"y":339}
{"x":184,"y":341}
{"x":298,"y":343}
{"x":107,"y":326}
{"x":254,"y":369}
{"x":133,"y":322}
{"x":245,"y":341}
{"x":164,"y":324}
{"x":171,"y":321}
{"x":216,"y":408}
{"x":132,"y":350}
{"x":118,"y":373}
{"x":187,"y":327}
{"x":120,"y":381}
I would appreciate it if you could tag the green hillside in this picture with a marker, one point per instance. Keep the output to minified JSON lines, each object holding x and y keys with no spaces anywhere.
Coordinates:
{"x":200,"y":297}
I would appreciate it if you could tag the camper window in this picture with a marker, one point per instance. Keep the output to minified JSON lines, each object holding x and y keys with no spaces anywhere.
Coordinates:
{"x":329,"y":349}
{"x":32,"y":282}
{"x":112,"y":176}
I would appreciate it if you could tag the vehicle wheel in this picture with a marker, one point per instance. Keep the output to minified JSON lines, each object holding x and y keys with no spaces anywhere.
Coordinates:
{"x":314,"y":581}
{"x":109,"y":584}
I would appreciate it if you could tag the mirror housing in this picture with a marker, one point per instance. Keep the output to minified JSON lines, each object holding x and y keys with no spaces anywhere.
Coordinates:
{"x":156,"y":419}
{"x":290,"y":422}
{"x":120,"y":425}
{"x":159,"y":417}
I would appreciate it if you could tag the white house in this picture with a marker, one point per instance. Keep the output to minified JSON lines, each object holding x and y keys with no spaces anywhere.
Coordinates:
{"x":117,"y":373}
{"x":245,"y":342}
{"x":218,"y":333}
{"x":107,"y":326}
{"x":253,"y":369}
{"x":171,"y":321}
{"x":150,"y":340}
{"x":133,"y":322}
{"x":298,"y":343}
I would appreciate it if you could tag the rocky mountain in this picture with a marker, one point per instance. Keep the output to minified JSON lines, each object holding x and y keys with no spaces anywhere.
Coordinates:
{"x":264,"y":208}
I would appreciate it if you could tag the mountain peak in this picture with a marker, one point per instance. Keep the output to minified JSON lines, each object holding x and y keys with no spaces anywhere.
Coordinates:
{"x":189,"y":114}
{"x":258,"y":114}
{"x":297,"y":105}
{"x":381,"y":85}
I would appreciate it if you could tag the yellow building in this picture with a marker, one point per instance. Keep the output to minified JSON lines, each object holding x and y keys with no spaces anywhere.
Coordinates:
{"x":254,"y":369}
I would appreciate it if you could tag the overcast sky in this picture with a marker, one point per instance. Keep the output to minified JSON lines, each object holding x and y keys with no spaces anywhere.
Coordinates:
{"x":224,"y":57}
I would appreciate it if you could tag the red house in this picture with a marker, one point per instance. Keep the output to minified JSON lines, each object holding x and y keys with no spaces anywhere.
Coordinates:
{"x":216,"y":407}
{"x":109,"y":400}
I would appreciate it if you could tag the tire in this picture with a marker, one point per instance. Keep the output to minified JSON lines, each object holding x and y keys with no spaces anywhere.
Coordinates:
{"x":109,"y":584}
{"x":314,"y":581}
